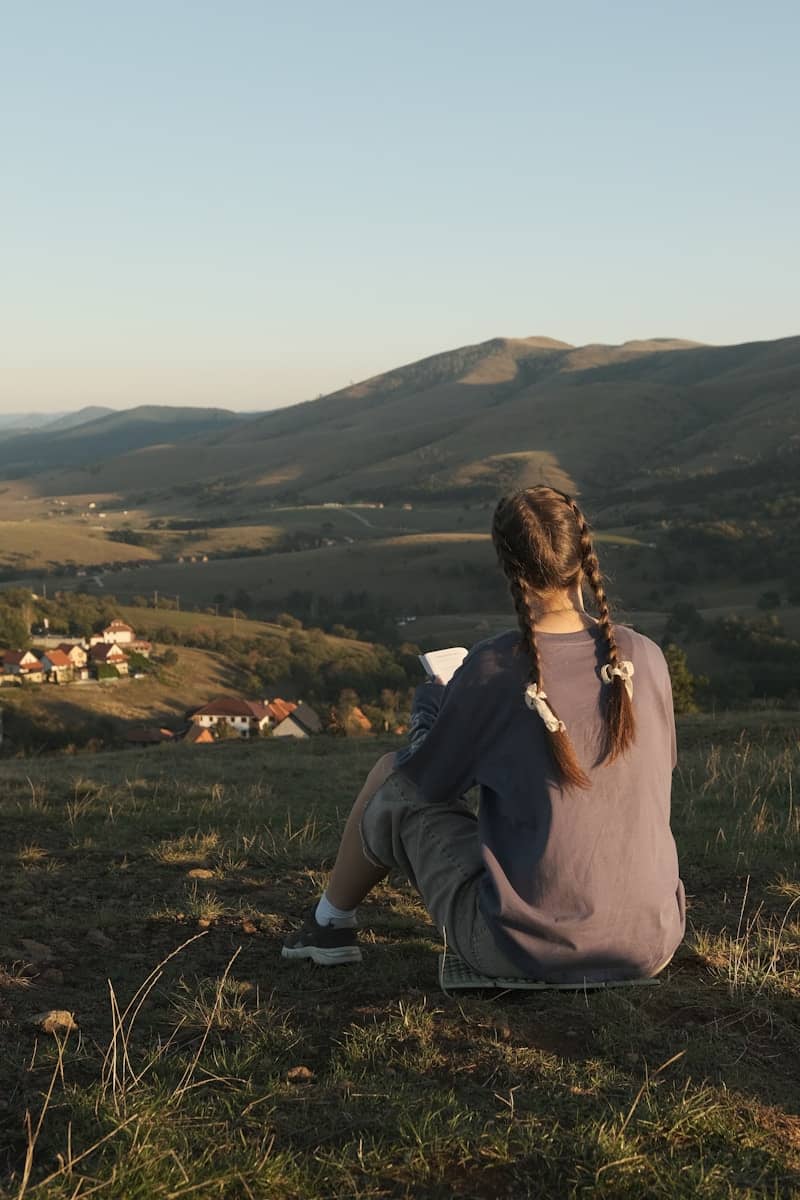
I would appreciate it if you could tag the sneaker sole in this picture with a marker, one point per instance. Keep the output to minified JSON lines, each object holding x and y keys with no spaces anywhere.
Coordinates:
{"x":333,"y":957}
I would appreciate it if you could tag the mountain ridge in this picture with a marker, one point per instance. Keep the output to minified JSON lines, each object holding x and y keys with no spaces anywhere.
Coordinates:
{"x":474,"y":420}
{"x":117,"y":432}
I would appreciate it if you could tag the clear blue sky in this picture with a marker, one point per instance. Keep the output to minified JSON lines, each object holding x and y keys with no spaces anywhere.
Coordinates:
{"x":248,"y":203}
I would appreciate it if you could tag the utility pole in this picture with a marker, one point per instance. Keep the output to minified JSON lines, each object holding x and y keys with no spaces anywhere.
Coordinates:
{"x":155,"y":599}
{"x":178,"y":602}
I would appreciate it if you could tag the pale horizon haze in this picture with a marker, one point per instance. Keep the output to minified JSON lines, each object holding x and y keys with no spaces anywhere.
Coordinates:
{"x":250,"y":204}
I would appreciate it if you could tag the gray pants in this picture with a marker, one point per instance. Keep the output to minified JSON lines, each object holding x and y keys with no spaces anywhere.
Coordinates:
{"x":436,"y":847}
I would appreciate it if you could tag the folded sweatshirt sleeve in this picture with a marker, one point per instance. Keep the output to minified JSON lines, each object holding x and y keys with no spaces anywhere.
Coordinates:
{"x":442,"y":761}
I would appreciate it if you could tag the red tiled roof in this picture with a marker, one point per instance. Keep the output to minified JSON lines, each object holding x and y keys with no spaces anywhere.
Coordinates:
{"x":68,"y":647}
{"x":279,"y":709}
{"x":259,"y":710}
{"x":57,"y":658}
{"x":118,"y":626}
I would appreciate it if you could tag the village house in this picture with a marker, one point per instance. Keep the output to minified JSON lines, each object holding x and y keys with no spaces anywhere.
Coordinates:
{"x":108,"y":654}
{"x":57,"y":666}
{"x":244,"y":717}
{"x":198,"y":735}
{"x":23,"y":666}
{"x":75,"y":653}
{"x":117,"y":631}
{"x":301,"y":722}
{"x":279,"y":710}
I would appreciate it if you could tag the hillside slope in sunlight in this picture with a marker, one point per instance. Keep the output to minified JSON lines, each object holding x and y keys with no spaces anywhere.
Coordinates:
{"x":472,"y":421}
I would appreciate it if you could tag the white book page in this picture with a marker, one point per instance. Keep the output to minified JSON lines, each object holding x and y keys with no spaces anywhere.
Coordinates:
{"x":443,"y":663}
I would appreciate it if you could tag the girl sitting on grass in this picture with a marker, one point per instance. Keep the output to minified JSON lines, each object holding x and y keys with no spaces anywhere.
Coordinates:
{"x":569,"y":871}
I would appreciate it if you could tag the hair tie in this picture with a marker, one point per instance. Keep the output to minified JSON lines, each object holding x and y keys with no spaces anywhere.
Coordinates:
{"x":623,"y":669}
{"x":536,"y":699}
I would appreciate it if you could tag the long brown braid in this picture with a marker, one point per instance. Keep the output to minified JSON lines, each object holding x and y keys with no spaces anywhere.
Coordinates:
{"x":543,"y":543}
{"x":620,"y":719}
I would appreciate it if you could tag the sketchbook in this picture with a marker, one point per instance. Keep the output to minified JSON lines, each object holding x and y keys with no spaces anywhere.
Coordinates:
{"x":443,"y":663}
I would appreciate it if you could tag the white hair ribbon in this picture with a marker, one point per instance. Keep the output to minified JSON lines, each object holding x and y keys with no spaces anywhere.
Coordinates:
{"x":624,"y":670}
{"x":535,"y":698}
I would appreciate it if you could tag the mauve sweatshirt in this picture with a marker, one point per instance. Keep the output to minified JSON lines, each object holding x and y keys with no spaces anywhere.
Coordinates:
{"x":578,"y":883}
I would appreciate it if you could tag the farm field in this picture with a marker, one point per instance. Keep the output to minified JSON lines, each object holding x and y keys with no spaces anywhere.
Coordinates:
{"x":46,"y":544}
{"x":415,"y":573}
{"x":378,"y":563}
{"x":228,"y":1072}
{"x":147,"y":620}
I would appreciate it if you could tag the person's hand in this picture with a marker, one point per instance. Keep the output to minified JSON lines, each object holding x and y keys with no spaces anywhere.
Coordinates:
{"x":438,"y":679}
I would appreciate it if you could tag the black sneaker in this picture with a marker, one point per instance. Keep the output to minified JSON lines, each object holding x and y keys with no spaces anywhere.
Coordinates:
{"x":323,"y":944}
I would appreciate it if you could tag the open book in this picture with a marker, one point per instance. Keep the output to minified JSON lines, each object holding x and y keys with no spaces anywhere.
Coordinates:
{"x":443,"y":663}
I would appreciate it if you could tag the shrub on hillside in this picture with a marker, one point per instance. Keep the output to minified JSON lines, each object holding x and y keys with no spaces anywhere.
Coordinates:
{"x":683,"y":681}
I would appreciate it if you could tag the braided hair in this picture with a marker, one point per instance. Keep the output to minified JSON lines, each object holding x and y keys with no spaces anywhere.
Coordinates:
{"x":619,"y":719}
{"x":543,"y":543}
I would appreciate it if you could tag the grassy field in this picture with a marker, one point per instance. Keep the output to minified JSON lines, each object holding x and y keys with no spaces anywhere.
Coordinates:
{"x":43,"y":545}
{"x":147,"y":620}
{"x":147,"y":893}
{"x":415,"y":572}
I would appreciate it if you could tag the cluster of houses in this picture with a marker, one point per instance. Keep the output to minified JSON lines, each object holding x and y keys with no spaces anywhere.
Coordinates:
{"x":230,"y":716}
{"x":107,"y":654}
{"x":75,"y":659}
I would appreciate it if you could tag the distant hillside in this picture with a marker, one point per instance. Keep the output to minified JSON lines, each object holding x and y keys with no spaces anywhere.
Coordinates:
{"x":90,"y":445}
{"x":14,"y":424}
{"x":469,"y":423}
{"x":71,"y":420}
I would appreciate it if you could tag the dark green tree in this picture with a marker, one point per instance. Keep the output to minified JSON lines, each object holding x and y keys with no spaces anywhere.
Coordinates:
{"x":683,"y":682}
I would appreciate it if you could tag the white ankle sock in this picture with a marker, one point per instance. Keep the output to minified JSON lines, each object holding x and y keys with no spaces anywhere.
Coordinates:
{"x":328,"y":914}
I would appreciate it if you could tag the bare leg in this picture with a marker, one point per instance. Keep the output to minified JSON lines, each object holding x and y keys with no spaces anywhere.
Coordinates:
{"x":353,"y":875}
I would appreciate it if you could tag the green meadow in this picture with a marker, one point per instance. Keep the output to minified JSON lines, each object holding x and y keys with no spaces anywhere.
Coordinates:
{"x":147,"y":894}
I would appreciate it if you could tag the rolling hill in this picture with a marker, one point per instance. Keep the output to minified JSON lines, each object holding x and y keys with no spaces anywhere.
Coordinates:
{"x":467,"y":423}
{"x":90,"y":446}
{"x":71,"y":420}
{"x":376,"y":499}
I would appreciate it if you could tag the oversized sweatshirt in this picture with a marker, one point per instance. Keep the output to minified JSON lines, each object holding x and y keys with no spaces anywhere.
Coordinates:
{"x":577,"y":883}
